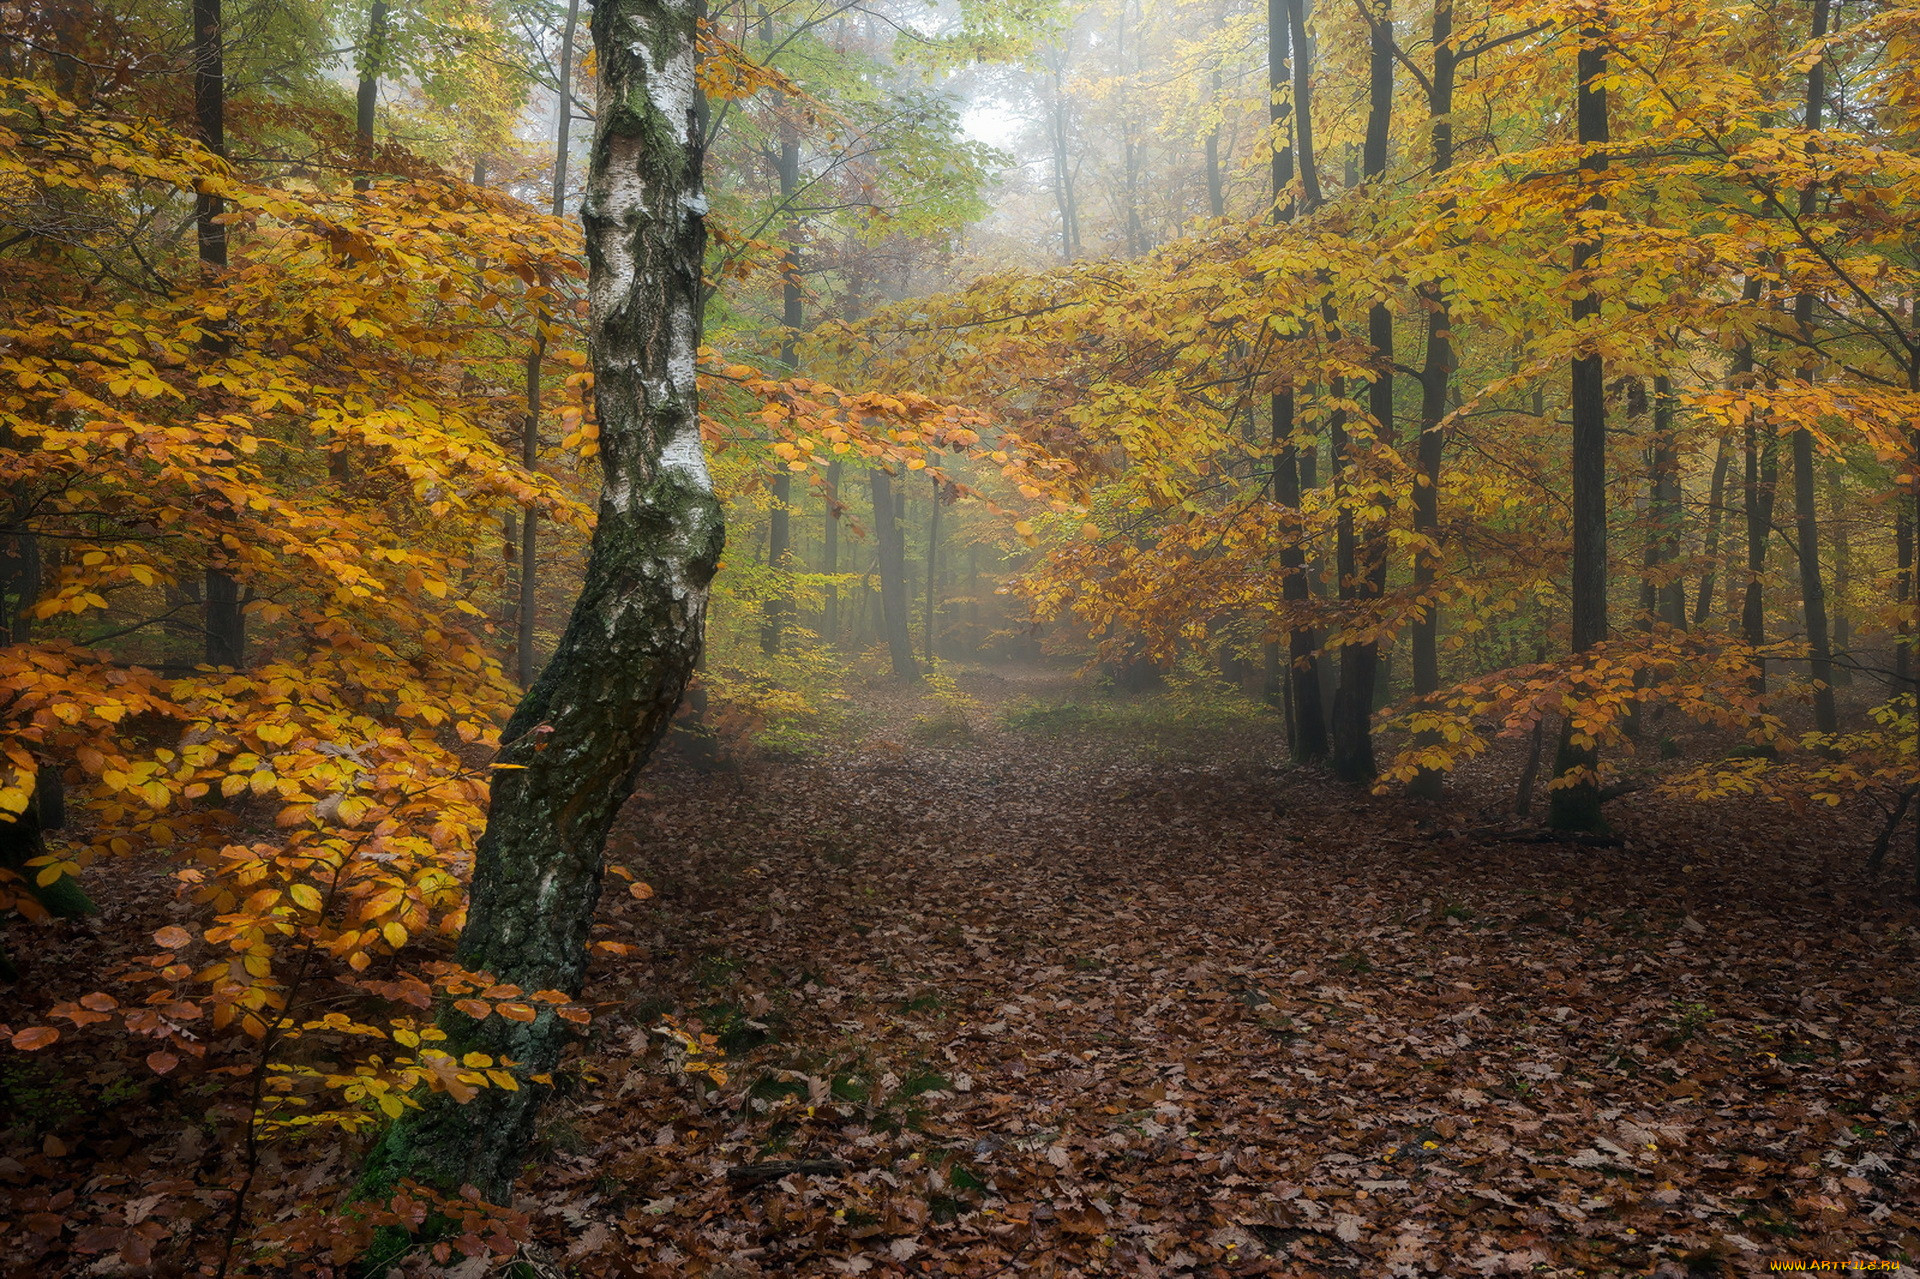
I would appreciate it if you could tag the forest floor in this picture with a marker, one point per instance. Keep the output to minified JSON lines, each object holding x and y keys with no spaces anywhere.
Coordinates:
{"x":1048,"y":982}
{"x":1064,"y":985}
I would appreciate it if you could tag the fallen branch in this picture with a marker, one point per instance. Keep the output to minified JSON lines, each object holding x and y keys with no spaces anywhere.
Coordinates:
{"x":759,"y":1174}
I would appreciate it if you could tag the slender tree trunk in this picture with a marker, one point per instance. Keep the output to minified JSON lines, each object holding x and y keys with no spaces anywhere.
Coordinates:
{"x":1577,"y":806}
{"x":366,"y":102}
{"x":933,"y":575}
{"x":225,"y":622}
{"x":973,"y":598}
{"x":1216,"y":186}
{"x":891,"y":560}
{"x":1364,"y":555}
{"x":536,"y":360}
{"x":1663,"y":594}
{"x":1716,"y":500}
{"x":830,"y":554}
{"x":373,"y":56}
{"x":1303,"y":103}
{"x":1842,"y":577}
{"x":1306,"y":715}
{"x":588,"y":724}
{"x":1436,"y":379}
{"x":1813,"y":591}
{"x":1759,"y":471}
{"x":1903,"y":593}
{"x":1063,"y":162}
{"x":776,"y":615}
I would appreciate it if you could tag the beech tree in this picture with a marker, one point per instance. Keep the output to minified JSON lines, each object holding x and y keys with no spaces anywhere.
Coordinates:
{"x":1576,"y":806}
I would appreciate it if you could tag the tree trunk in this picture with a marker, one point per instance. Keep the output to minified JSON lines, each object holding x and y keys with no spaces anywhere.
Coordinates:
{"x":1577,"y":806}
{"x":1903,"y":583}
{"x":1759,"y":471}
{"x":225,"y":623}
{"x":830,"y":555}
{"x":1663,"y":596}
{"x":588,"y":724}
{"x":1716,"y":499}
{"x":1436,"y":379}
{"x":1306,"y":716}
{"x":1813,"y":591}
{"x":1842,"y":577}
{"x":373,"y":56}
{"x":891,"y":561}
{"x":1364,"y":555}
{"x":1216,"y":187}
{"x":1062,"y":162}
{"x":536,"y":359}
{"x":1303,"y":103}
{"x":776,"y":614}
{"x":366,"y":102}
{"x":973,"y":598}
{"x":933,"y":576}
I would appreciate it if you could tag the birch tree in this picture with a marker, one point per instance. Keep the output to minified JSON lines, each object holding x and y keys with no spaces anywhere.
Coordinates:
{"x":577,"y":741}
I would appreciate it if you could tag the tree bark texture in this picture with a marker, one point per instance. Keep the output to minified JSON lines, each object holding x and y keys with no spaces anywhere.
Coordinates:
{"x":830,"y":554}
{"x":225,"y":623}
{"x":1366,"y":562}
{"x":367,"y":99}
{"x":777,"y":611}
{"x":1813,"y":591}
{"x":933,"y":577}
{"x":1577,"y":807}
{"x":1716,"y":499}
{"x":1306,"y":715}
{"x":891,"y":560}
{"x":1436,"y":379}
{"x":595,"y":712}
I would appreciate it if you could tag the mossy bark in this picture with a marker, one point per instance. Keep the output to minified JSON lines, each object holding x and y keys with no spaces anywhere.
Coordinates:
{"x":595,"y":712}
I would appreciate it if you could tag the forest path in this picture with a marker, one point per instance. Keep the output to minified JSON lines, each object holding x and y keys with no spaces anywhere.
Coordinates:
{"x":1109,"y":994}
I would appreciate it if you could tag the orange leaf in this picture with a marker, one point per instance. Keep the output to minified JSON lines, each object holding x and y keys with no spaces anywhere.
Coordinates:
{"x":173,"y":937}
{"x":515,"y":1012}
{"x":161,"y":1062}
{"x":34,"y":1038}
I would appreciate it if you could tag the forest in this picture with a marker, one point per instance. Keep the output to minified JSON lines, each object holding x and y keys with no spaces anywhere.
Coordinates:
{"x":959,"y":638}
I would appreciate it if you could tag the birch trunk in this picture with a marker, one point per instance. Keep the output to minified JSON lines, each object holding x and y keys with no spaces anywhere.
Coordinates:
{"x":600,"y":704}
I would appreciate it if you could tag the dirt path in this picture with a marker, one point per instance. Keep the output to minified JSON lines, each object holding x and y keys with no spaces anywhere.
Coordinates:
{"x":1050,"y":1001}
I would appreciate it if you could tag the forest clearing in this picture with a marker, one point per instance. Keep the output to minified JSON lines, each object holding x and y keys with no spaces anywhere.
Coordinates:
{"x":959,"y":637}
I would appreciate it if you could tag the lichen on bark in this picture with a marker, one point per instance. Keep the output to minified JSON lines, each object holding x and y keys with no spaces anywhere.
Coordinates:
{"x":593,"y":715}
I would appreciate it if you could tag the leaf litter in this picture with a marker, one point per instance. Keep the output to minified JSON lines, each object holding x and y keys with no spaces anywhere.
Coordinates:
{"x":1060,"y":1005}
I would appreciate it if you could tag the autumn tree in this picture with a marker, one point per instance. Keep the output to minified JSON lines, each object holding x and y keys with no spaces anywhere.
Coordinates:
{"x":579,"y":737}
